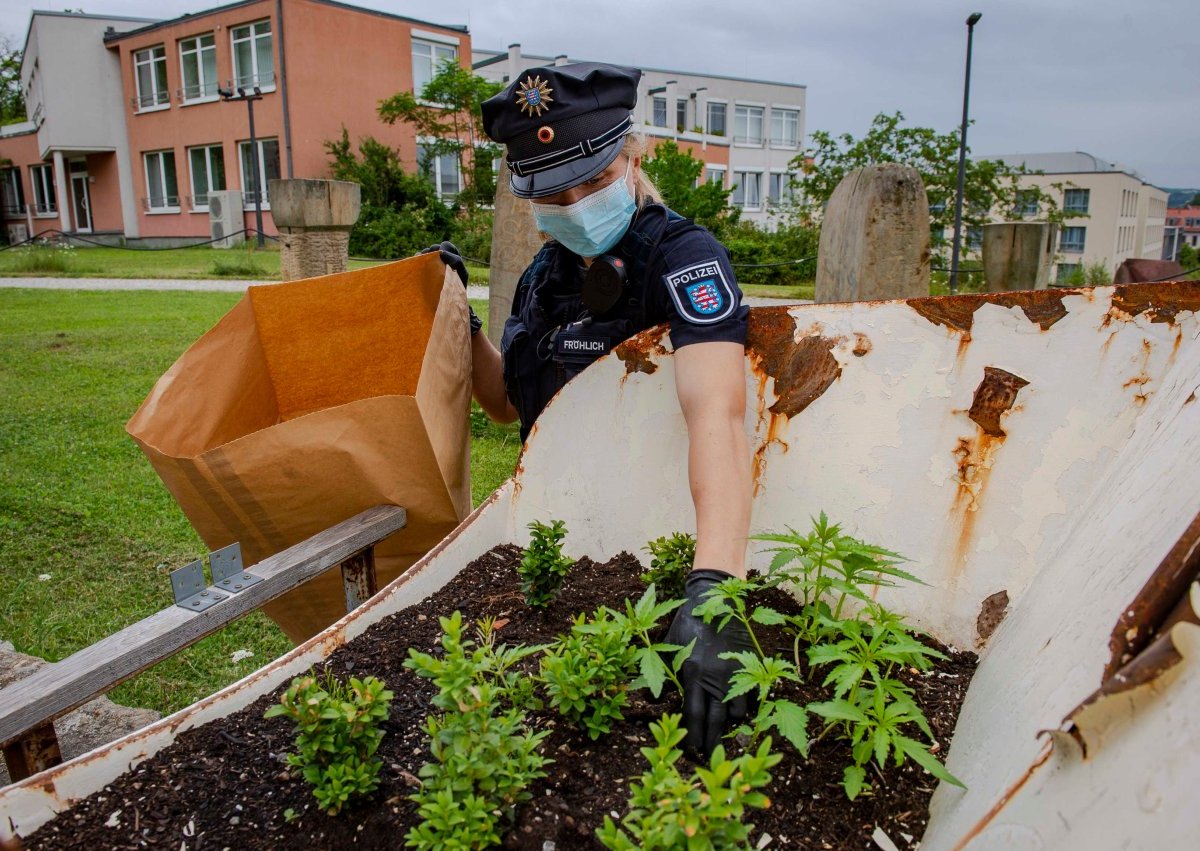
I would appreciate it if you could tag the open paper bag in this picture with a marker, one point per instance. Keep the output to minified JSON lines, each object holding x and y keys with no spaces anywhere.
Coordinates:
{"x":311,"y":401}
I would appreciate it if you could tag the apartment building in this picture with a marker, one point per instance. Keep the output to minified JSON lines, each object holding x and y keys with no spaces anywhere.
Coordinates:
{"x":747,"y":132}
{"x":1119,"y":215}
{"x":132,"y":125}
{"x":1183,"y":228}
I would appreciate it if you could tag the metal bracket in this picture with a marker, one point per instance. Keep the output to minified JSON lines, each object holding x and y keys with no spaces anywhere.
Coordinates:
{"x":187,"y":583}
{"x":227,"y":572}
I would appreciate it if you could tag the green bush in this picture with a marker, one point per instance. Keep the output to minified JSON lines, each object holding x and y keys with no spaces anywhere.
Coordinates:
{"x":337,"y":734}
{"x":543,"y":566}
{"x":587,"y":672}
{"x":755,"y":250}
{"x":671,"y":560}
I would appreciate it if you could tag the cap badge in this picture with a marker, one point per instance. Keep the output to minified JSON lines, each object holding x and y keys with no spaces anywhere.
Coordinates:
{"x":545,"y":135}
{"x":534,"y":96}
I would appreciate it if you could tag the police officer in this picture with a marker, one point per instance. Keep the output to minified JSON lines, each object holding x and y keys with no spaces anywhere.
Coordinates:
{"x":618,"y":262}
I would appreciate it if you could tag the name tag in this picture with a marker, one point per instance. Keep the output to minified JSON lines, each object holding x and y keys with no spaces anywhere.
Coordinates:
{"x":577,"y":348}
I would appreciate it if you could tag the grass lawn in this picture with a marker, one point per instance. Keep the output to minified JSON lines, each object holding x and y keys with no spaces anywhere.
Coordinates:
{"x":799,"y":291}
{"x":88,"y":533}
{"x":203,"y":262}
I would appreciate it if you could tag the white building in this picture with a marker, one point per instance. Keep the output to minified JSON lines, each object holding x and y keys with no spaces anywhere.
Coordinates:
{"x":747,"y":132}
{"x":1121,"y":215}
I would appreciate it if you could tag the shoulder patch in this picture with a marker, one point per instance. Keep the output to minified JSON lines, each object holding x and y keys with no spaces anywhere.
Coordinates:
{"x":701,"y":293}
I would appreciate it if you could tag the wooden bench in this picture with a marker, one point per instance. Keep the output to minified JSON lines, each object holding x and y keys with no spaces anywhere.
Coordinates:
{"x":28,"y":707}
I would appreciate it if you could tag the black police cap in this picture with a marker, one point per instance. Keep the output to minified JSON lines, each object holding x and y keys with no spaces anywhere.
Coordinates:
{"x":562,"y":124}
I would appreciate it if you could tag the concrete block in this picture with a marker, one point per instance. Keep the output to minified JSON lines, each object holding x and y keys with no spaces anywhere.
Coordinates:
{"x":515,"y":240}
{"x":1018,"y":255}
{"x":875,"y":237}
{"x":314,"y":218}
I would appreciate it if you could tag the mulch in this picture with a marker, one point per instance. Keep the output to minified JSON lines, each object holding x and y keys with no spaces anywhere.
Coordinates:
{"x":226,"y":784}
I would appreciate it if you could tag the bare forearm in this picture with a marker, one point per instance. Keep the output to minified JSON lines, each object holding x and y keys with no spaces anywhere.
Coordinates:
{"x":710,"y":383}
{"x":487,"y":380}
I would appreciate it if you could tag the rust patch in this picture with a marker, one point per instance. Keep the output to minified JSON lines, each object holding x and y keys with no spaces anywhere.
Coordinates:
{"x":973,"y":459}
{"x":1008,"y":795}
{"x":803,"y":369}
{"x":991,"y":613}
{"x":637,"y":352}
{"x":862,"y":345}
{"x":1162,"y":597}
{"x":1190,"y":399}
{"x":957,"y":312}
{"x":1160,"y":302}
{"x":994,"y":396}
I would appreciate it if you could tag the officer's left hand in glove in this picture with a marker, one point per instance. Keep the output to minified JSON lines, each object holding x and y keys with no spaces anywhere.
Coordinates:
{"x":449,"y":254}
{"x":705,"y":676}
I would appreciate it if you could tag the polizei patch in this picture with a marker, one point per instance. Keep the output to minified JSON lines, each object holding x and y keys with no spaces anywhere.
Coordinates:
{"x":701,"y":293}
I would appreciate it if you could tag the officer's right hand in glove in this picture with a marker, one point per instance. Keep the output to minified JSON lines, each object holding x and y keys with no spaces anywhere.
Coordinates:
{"x":705,"y":676}
{"x":450,"y":255}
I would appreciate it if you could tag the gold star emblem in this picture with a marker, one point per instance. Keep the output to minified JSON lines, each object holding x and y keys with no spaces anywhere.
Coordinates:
{"x":534,"y":96}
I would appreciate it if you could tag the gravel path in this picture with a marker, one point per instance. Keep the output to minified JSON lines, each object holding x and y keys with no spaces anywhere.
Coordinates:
{"x":222,"y":285}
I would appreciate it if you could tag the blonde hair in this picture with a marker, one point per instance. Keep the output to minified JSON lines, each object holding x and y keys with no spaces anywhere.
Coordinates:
{"x":645,"y":191}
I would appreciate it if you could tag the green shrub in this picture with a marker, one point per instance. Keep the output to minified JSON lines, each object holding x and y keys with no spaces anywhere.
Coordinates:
{"x":543,"y":566}
{"x":671,"y":560}
{"x":41,"y":259}
{"x":484,"y":755}
{"x":337,"y":734}
{"x":756,"y":253}
{"x":704,"y":810}
{"x":587,"y":672}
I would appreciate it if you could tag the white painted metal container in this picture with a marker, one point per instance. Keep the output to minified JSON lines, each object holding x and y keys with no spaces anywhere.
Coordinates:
{"x":1034,"y":454}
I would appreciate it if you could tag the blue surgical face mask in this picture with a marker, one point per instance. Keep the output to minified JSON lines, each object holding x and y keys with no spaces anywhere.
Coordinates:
{"x":592,"y":225}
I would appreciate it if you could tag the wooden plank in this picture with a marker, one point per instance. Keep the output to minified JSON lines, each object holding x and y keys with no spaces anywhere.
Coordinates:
{"x":62,"y":686}
{"x":36,"y":751}
{"x":358,"y":579}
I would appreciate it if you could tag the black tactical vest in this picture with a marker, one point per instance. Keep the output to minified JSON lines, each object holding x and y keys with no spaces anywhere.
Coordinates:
{"x":551,"y":338}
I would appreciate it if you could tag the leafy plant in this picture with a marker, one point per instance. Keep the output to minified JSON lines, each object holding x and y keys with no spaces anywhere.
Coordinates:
{"x":639,"y":619}
{"x":671,"y":560}
{"x":337,"y":734}
{"x":826,"y":565}
{"x":543,"y":566}
{"x":668,"y":810}
{"x":762,"y":675}
{"x":587,"y":672}
{"x":484,"y":755}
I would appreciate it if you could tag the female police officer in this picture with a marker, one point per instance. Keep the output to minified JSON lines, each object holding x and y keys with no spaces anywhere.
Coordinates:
{"x":619,"y":262}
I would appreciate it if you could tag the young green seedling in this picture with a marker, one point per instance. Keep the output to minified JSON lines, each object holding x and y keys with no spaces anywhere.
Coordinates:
{"x":671,"y":560}
{"x":543,"y":566}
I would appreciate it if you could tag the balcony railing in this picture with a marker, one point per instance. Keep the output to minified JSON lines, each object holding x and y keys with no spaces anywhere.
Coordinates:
{"x":196,"y":92}
{"x":248,"y":199}
{"x":14,"y":210}
{"x":264,"y":80}
{"x":148,"y":101}
{"x":756,"y":141}
{"x":161,"y":204}
{"x":50,"y":208}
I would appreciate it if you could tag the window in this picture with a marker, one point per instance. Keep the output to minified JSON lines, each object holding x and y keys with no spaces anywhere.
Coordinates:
{"x":715,"y":175}
{"x":716,"y":119}
{"x":253,"y":59}
{"x":426,"y":57}
{"x":14,"y":193}
{"x":660,"y":112}
{"x":442,"y":171}
{"x":44,"y":199}
{"x":748,"y":125}
{"x":1076,"y":200}
{"x":266,"y":167}
{"x":161,"y":187}
{"x":150,"y":73}
{"x":1027,"y":203}
{"x":198,"y":60}
{"x":975,"y":239}
{"x":681,"y":115}
{"x":1069,"y":272}
{"x":785,"y":128}
{"x":1072,"y":239}
{"x":779,"y":189}
{"x":207,"y":165}
{"x":745,"y":190}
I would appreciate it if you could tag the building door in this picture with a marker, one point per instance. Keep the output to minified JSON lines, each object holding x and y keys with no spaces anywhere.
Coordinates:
{"x":81,"y":207}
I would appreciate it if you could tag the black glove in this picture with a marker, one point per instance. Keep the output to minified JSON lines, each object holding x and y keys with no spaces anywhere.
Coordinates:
{"x":704,"y":675}
{"x":448,"y":252}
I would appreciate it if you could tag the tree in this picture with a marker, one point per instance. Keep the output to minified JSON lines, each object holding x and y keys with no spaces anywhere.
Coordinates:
{"x":12,"y":101}
{"x":448,"y":114}
{"x":401,"y":213}
{"x":677,"y":174}
{"x":991,"y":187}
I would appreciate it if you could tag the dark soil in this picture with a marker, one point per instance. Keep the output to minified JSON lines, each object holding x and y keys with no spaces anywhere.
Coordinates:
{"x":226,"y":785}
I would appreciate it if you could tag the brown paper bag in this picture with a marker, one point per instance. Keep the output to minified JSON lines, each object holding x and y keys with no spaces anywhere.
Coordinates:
{"x":311,"y":401}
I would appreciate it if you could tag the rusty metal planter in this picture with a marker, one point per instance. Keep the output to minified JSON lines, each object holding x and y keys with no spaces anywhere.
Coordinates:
{"x":1035,"y":454}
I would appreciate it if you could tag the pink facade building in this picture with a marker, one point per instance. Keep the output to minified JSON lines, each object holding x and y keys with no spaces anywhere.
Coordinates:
{"x":129,"y":130}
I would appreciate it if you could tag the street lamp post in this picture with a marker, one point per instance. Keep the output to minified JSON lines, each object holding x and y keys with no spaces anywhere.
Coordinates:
{"x":250,"y":96}
{"x":962,"y":158}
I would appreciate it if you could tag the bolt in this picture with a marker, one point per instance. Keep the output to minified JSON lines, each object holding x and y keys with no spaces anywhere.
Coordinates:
{"x":237,"y":586}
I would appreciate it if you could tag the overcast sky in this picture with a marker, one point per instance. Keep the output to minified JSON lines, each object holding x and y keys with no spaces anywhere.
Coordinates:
{"x":1116,"y":79}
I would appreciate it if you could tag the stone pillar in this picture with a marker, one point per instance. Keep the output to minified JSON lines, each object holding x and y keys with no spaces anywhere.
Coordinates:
{"x":314,"y":218}
{"x":1018,"y":255}
{"x":515,"y":239}
{"x":62,"y":197}
{"x":875,"y":237}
